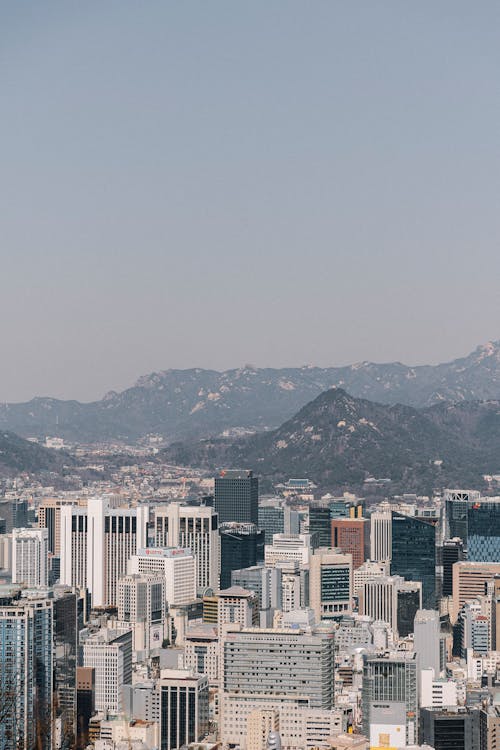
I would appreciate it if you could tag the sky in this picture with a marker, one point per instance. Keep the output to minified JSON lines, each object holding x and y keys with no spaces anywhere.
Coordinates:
{"x":211,"y":184}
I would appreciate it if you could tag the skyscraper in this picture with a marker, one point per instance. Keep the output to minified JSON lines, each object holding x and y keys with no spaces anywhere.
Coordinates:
{"x":96,"y":544}
{"x":389,"y":700}
{"x":483,"y":522}
{"x":109,"y":653}
{"x":351,"y":536}
{"x":237,"y":496}
{"x":456,"y":504}
{"x":142,"y":603}
{"x":242,"y":546}
{"x":195,"y":527}
{"x":176,"y":564}
{"x":30,"y":562}
{"x":380,"y":536}
{"x":414,"y":554}
{"x":25,"y":671}
{"x":330,"y":583}
{"x":65,"y":660}
{"x":183,"y":708}
{"x":320,"y":524}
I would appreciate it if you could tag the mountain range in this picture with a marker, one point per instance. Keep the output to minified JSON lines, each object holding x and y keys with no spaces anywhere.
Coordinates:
{"x":340,"y":441}
{"x":18,"y":455}
{"x":197,"y":403}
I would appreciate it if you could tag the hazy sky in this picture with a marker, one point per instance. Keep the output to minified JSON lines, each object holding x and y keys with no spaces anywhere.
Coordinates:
{"x":219,"y":183}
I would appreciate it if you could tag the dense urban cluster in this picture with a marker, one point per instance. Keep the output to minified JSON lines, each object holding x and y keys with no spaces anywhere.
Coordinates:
{"x":159,"y":609}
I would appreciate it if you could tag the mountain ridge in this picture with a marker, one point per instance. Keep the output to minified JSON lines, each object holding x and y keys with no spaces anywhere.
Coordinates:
{"x":194,"y":403}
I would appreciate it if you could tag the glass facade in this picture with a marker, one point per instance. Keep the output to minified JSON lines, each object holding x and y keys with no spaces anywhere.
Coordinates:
{"x":237,"y":496}
{"x":483,"y":543}
{"x":414,"y":554}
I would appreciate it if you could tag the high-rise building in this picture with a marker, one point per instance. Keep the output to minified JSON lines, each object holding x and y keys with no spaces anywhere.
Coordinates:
{"x":483,"y":521}
{"x":260,"y":723}
{"x":142,"y":604}
{"x":195,"y":527}
{"x":350,"y":535}
{"x":330,"y":583}
{"x":65,"y":661}
{"x":452,"y":728}
{"x":183,"y":708}
{"x":96,"y":544}
{"x":237,"y":605}
{"x":426,"y":640}
{"x":380,"y":536}
{"x":237,"y":496}
{"x":26,"y":647}
{"x":489,"y":728}
{"x":242,"y":546}
{"x":264,"y":581}
{"x":393,"y":600}
{"x":414,"y":553}
{"x":85,"y":704}
{"x":49,"y":517}
{"x":369,"y":571}
{"x":456,"y":504}
{"x":389,"y":700}
{"x":452,"y":551}
{"x":470,"y":580}
{"x":320,"y":524}
{"x":109,"y":653}
{"x":176,"y":564}
{"x":288,"y":548}
{"x":284,"y":669}
{"x":30,"y":561}
{"x":15,"y":514}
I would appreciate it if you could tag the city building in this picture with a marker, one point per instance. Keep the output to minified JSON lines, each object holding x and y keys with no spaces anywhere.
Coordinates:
{"x":237,"y":496}
{"x":176,"y":564}
{"x":237,"y":605}
{"x":414,"y":553}
{"x":456,"y":504}
{"x":242,"y":546}
{"x":109,"y":653}
{"x":260,"y":724}
{"x":330,"y":583}
{"x":381,"y":536}
{"x":288,"y":548}
{"x":49,"y":517}
{"x":483,"y":533}
{"x":390,"y":700}
{"x":96,"y":544}
{"x":351,"y":535}
{"x":426,"y":640}
{"x":265,"y":582}
{"x":452,"y":551}
{"x":65,"y":630}
{"x":142,"y":605}
{"x":26,"y":668}
{"x":15,"y":514}
{"x":194,"y":527}
{"x":184,"y":714}
{"x":30,"y":561}
{"x":288,"y":670}
{"x":85,"y":704}
{"x":451,"y":728}
{"x":392,"y":600}
{"x":470,"y":580}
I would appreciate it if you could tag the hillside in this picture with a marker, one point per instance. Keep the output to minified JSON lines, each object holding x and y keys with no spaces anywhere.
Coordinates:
{"x":338,"y":440}
{"x":189,"y":404}
{"x":18,"y":456}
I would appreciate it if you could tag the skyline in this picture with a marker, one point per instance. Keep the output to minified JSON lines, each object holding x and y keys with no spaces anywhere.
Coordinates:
{"x":186,"y":186}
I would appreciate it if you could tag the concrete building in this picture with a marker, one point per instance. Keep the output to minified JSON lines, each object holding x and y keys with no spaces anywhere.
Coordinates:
{"x":380,"y":536}
{"x":369,"y":571}
{"x":288,"y":548}
{"x":183,"y":708}
{"x":287,"y":670}
{"x":436,"y":693}
{"x":176,"y":564}
{"x":109,"y":653}
{"x":195,"y":528}
{"x":330,"y":583}
{"x":142,"y":606}
{"x":469,"y":581}
{"x":392,"y":600}
{"x":259,"y":724}
{"x":96,"y":544}
{"x":30,"y":561}
{"x":351,"y":536}
{"x":201,"y":650}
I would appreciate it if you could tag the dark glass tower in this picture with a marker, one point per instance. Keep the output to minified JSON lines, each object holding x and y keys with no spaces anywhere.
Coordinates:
{"x":242,"y":546}
{"x":483,"y":544}
{"x":320,"y":524}
{"x":414,"y":554}
{"x":237,"y":496}
{"x":452,"y":551}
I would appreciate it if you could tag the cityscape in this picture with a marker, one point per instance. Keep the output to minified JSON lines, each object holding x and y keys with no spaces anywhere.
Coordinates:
{"x":250,"y":381}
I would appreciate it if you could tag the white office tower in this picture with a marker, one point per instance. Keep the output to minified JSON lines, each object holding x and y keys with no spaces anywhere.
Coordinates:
{"x":96,"y":544}
{"x":201,"y":650}
{"x":369,"y":571}
{"x":392,"y":600}
{"x":380,"y":536}
{"x":237,"y":605}
{"x":176,"y":564}
{"x":288,"y":548}
{"x":30,"y":565}
{"x":426,"y":640}
{"x":184,"y":717}
{"x":290,"y":671}
{"x":195,"y":528}
{"x":109,"y":652}
{"x":330,"y":583}
{"x":142,"y":605}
